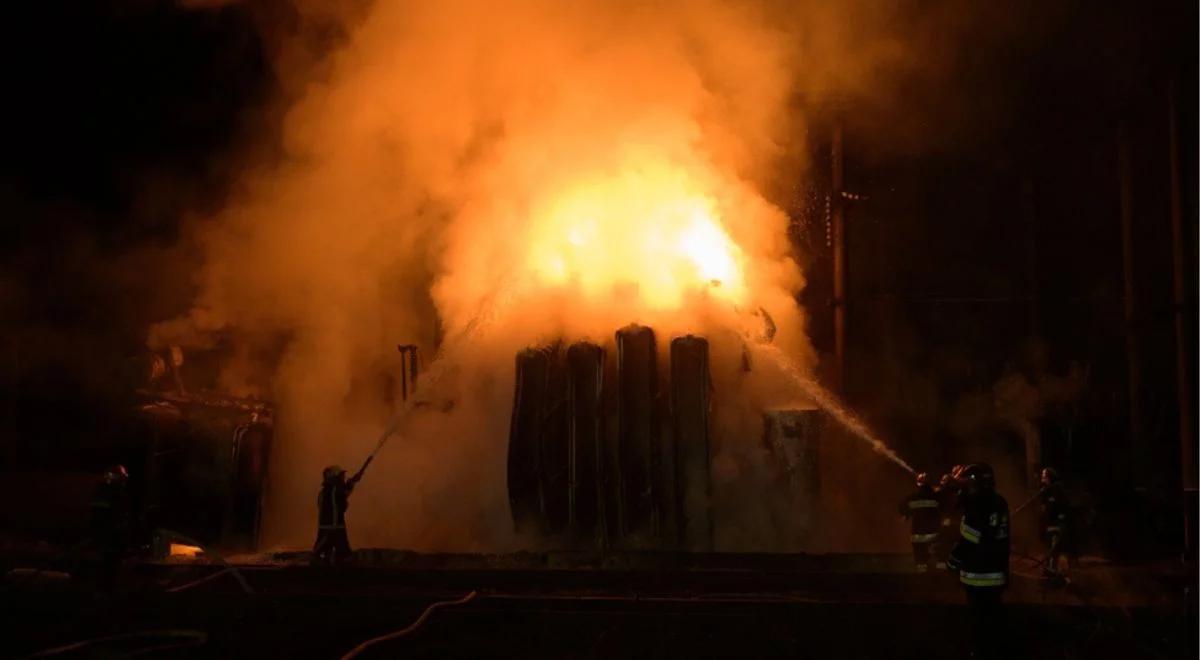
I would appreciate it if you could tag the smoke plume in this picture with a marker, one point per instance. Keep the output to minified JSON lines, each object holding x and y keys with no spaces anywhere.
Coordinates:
{"x":511,"y":173}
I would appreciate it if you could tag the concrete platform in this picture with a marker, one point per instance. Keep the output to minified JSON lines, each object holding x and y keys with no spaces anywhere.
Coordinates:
{"x":557,"y":605}
{"x":846,"y":578}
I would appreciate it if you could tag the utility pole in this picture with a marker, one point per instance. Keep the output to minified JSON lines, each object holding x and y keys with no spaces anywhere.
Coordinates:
{"x":1132,"y":355}
{"x":838,"y":204}
{"x":1029,"y":210}
{"x":14,"y":383}
{"x":1187,"y":428}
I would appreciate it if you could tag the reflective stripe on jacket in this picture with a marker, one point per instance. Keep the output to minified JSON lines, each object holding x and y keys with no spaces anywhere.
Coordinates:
{"x":922,"y":509}
{"x":993,"y":579}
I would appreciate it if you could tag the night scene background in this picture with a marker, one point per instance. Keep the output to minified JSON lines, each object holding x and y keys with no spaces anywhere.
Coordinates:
{"x":200,"y":174}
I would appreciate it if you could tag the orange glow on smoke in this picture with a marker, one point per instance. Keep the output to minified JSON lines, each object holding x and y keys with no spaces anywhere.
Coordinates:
{"x":649,"y":228}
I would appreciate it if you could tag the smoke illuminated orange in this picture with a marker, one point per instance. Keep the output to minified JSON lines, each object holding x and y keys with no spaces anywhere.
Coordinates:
{"x":475,"y":178}
{"x":648,"y":229}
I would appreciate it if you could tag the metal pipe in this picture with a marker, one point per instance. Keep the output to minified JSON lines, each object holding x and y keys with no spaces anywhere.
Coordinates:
{"x":1187,"y":432}
{"x":403,"y":373}
{"x":413,"y":365}
{"x":1132,"y":354}
{"x":839,"y":257}
{"x":1029,"y":208}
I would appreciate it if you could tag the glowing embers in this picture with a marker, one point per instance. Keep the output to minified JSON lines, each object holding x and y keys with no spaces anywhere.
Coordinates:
{"x":599,"y":455}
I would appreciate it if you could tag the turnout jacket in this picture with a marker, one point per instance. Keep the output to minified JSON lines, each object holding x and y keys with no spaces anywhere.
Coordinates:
{"x":923,"y":510}
{"x":334,"y":499}
{"x":332,"y":502}
{"x":981,"y":554}
{"x":1054,"y":508}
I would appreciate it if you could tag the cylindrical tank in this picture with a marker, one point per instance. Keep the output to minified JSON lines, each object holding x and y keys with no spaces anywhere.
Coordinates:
{"x":554,"y":470}
{"x":585,"y":385}
{"x":524,"y":446}
{"x":637,"y":439}
{"x":690,"y":387}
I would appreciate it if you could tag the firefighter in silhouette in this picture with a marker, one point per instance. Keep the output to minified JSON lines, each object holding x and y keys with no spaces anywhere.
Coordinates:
{"x":333,"y":545}
{"x":1053,"y":522}
{"x":922,"y":510}
{"x":981,"y":557}
{"x":111,"y":522}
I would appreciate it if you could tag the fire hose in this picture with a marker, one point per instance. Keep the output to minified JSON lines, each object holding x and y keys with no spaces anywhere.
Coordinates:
{"x":1029,"y":501}
{"x":182,"y":638}
{"x":500,"y":298}
{"x":228,"y":568}
{"x":413,"y":627}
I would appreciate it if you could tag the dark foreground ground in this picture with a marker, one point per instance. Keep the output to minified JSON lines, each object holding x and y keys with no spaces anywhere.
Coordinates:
{"x":564,"y":606}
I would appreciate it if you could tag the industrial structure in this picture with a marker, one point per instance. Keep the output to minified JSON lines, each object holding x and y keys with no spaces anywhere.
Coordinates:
{"x":607,"y":453}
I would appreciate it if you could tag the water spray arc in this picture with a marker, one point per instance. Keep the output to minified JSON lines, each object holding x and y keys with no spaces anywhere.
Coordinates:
{"x":825,"y":400}
{"x":501,"y":298}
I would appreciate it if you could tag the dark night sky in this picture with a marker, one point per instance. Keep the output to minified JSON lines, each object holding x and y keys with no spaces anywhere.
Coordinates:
{"x":124,"y":118}
{"x":121,"y":120}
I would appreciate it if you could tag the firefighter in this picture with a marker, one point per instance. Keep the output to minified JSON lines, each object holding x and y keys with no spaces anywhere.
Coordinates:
{"x":110,"y":522}
{"x":921,"y":509}
{"x":1053,"y":522}
{"x":948,"y":495}
{"x":333,"y":545}
{"x":981,"y":557}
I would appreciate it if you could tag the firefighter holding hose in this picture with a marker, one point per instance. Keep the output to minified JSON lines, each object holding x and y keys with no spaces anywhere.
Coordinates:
{"x":981,"y":557}
{"x":1053,"y":521}
{"x":333,"y":545}
{"x":922,"y":510}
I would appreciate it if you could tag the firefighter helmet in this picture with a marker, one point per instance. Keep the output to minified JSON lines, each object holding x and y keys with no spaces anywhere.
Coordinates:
{"x":922,"y":479}
{"x":333,"y":472}
{"x":1049,"y":476}
{"x":946,"y":480}
{"x":116,"y":474}
{"x":980,"y":477}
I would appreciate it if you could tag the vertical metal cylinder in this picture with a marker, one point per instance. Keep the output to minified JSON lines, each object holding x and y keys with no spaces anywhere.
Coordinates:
{"x":524,"y":447}
{"x":413,"y":366}
{"x":638,"y":443}
{"x":554,"y":441}
{"x":839,"y":257}
{"x":585,"y":384}
{"x":1029,"y":210}
{"x":1132,"y":353}
{"x":403,"y":375}
{"x":690,"y":386}
{"x":1183,"y":379}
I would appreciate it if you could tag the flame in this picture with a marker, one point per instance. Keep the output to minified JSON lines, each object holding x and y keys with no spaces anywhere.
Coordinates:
{"x":650,"y":228}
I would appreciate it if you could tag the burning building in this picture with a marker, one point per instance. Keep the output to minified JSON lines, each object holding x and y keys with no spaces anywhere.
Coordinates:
{"x":518,"y":178}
